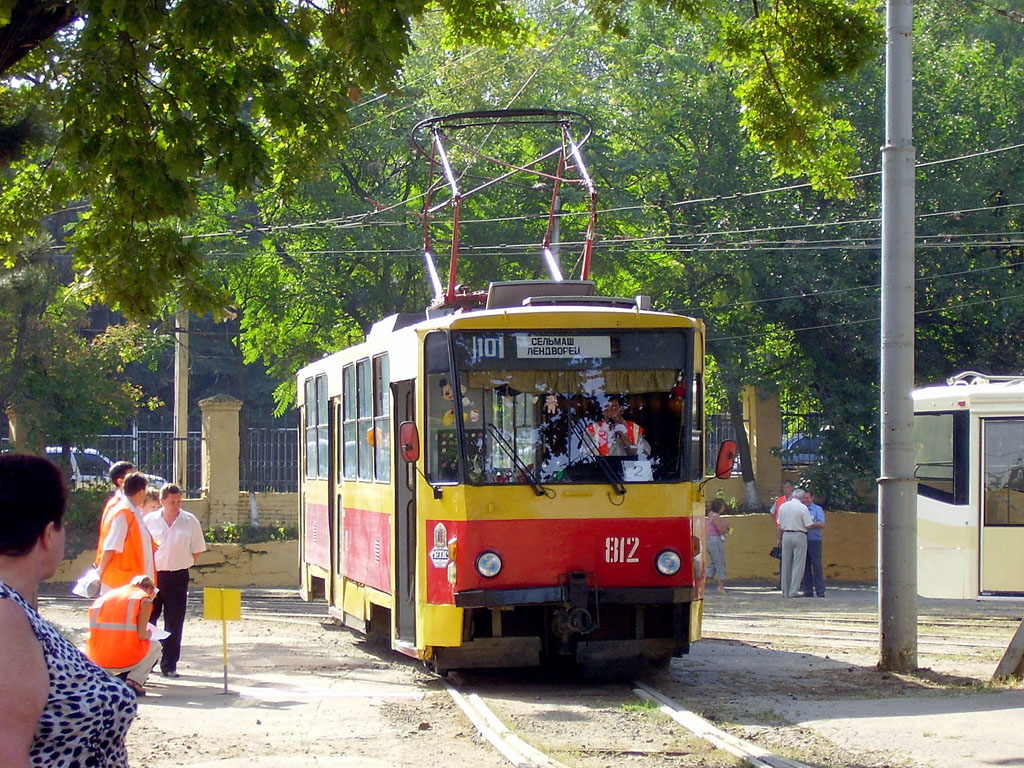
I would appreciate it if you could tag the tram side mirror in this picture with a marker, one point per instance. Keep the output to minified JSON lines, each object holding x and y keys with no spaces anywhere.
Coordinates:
{"x":409,"y":440}
{"x":726,"y":458}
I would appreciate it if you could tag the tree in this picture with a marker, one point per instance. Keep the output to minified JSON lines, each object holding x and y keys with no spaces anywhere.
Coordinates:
{"x":143,"y":106}
{"x":149,"y":102}
{"x":62,"y":383}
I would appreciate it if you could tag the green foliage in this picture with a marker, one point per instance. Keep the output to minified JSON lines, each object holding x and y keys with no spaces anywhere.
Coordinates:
{"x":784,"y":58}
{"x":63,"y":383}
{"x":230,"y":533}
{"x":82,"y":520}
{"x":84,"y":506}
{"x":151,"y":102}
{"x":639,"y":706}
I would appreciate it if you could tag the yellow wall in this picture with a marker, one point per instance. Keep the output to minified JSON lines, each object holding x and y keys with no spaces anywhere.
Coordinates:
{"x":849,"y":553}
{"x":270,"y":564}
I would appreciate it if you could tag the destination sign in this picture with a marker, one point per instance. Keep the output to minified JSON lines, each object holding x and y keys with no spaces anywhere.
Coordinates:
{"x":562,"y":346}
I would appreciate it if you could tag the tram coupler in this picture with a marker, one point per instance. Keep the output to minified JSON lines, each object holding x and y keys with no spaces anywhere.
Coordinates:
{"x":574,"y":618}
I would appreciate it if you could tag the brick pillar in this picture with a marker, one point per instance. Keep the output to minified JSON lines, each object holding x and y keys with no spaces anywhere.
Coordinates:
{"x":220,"y":457}
{"x":764,"y":420}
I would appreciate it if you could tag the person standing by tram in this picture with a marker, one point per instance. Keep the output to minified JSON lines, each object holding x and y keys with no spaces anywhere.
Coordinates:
{"x":125,"y":548}
{"x":794,"y":519}
{"x":787,"y":494}
{"x":717,"y":531}
{"x":118,"y":471}
{"x":814,"y":576}
{"x":179,"y":537}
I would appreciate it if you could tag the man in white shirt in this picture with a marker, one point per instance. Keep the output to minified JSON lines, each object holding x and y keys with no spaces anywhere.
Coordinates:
{"x":179,"y":539}
{"x":794,"y":520}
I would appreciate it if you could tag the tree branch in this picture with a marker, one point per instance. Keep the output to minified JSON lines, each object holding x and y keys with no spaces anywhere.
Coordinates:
{"x":32,"y":23}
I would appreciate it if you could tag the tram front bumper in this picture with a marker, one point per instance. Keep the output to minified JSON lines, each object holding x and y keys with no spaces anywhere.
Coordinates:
{"x":558,"y":595}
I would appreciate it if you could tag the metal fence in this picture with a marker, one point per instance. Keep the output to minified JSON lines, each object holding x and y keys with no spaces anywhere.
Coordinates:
{"x":720,"y":429}
{"x":273,"y":456}
{"x":273,"y":460}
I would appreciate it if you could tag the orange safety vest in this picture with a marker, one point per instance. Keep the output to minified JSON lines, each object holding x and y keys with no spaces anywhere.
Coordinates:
{"x":602,"y":434}
{"x":113,"y":640}
{"x":131,"y":561}
{"x":775,"y":507}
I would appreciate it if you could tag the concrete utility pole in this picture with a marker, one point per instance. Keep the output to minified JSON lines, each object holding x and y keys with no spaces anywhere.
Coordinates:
{"x":897,"y":491}
{"x":180,"y":398}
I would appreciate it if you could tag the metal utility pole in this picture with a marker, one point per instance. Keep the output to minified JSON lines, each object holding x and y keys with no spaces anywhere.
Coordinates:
{"x":180,"y":398}
{"x":897,"y":516}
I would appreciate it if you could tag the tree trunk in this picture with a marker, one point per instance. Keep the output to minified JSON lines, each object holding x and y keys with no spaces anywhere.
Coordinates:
{"x":752,"y":501}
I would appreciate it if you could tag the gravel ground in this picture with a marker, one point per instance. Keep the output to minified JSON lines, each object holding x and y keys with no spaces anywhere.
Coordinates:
{"x":798,"y":677}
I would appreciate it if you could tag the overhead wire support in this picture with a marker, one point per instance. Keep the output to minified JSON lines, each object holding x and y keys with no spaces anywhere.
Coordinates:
{"x":451,"y":141}
{"x":581,"y":168}
{"x":453,"y":184}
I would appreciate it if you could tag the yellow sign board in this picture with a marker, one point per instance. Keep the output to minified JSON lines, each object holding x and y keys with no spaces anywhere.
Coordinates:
{"x":222,"y":604}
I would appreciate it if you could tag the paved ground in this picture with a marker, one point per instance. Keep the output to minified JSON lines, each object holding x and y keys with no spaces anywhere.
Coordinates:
{"x":306,"y":693}
{"x":948,"y":715}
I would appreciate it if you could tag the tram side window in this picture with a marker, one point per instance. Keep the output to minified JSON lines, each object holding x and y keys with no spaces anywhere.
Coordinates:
{"x":382,"y":418}
{"x":441,"y":444}
{"x":1004,"y":471}
{"x":364,"y":418}
{"x":697,"y":429}
{"x":941,"y":455}
{"x":349,"y":452}
{"x":317,"y":456}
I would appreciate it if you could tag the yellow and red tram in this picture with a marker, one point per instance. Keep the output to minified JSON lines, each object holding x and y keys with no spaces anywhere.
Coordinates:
{"x":453,"y":496}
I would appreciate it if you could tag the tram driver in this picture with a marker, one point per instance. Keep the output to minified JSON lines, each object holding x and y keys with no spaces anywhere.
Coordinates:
{"x":615,"y":435}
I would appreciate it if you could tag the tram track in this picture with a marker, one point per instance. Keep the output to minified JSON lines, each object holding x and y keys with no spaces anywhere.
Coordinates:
{"x":527,"y":745}
{"x":937,"y":636}
{"x":759,"y":654}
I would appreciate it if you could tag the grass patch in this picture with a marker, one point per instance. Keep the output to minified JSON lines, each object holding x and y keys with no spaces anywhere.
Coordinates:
{"x":229,"y":533}
{"x":82,"y":524}
{"x":638,"y":705}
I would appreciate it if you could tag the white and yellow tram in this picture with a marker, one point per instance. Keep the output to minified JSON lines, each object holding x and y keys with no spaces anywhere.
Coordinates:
{"x":969,"y":466}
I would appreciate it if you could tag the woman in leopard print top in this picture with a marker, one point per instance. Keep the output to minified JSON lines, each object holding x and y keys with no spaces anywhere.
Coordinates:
{"x":68,"y":713}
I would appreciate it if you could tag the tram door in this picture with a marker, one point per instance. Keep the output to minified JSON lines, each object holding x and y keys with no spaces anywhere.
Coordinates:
{"x":403,"y":396}
{"x":1002,"y":505}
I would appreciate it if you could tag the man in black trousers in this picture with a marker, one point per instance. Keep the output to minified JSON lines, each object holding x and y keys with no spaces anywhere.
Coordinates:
{"x":179,"y":539}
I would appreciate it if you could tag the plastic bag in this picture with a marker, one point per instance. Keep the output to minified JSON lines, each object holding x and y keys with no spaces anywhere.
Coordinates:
{"x":88,"y":586}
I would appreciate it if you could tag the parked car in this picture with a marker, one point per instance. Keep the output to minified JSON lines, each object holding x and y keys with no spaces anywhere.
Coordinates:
{"x":800,"y":450}
{"x":90,"y":468}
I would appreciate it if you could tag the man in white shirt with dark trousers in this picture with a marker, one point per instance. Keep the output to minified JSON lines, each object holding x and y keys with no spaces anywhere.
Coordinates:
{"x":794,"y":520}
{"x":179,"y":538}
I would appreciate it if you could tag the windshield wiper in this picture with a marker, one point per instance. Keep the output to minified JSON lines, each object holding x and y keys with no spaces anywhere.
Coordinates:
{"x":520,"y":465}
{"x":587,"y":441}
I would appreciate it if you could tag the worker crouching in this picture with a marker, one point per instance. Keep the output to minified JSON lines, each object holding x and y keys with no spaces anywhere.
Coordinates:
{"x":119,"y":634}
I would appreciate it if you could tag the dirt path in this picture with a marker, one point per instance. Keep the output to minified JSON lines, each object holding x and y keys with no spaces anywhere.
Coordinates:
{"x":797,"y":676}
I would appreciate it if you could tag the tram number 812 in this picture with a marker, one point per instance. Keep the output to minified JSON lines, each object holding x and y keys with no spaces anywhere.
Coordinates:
{"x":621,"y":549}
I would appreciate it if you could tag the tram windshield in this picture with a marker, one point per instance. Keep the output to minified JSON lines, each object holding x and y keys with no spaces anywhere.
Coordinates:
{"x":568,"y":406}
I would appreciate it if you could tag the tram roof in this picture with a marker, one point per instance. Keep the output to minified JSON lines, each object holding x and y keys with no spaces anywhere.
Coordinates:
{"x":389,"y":332}
{"x":969,"y":389}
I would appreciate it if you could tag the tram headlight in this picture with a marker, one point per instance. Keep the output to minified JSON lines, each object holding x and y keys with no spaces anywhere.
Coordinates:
{"x":488,"y":564}
{"x":668,"y":562}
